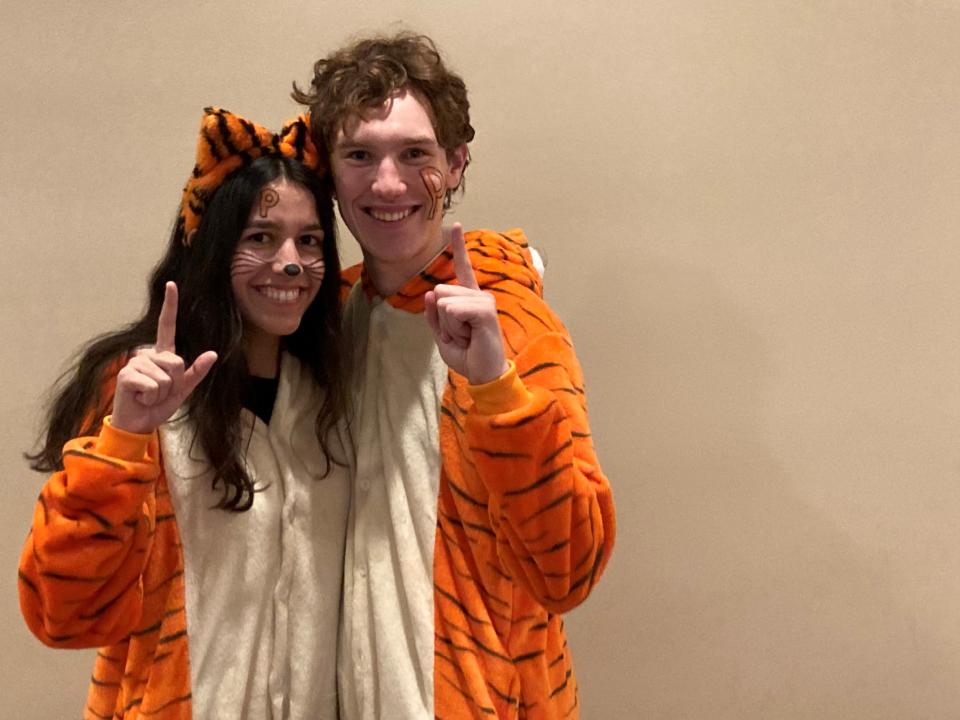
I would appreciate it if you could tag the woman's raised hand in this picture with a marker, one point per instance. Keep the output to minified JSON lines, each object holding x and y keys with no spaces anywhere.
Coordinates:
{"x":155,"y":382}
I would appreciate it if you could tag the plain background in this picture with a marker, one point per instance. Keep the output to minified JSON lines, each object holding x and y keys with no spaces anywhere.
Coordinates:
{"x":750,"y":211}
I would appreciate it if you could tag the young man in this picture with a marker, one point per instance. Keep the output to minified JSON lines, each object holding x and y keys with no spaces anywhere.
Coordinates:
{"x":479,"y":512}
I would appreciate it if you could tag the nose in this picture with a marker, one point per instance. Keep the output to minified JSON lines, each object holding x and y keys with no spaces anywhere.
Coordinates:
{"x":287,"y":259}
{"x":388,"y":182}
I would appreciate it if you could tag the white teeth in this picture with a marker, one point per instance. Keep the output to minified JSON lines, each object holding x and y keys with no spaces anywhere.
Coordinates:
{"x":278,"y":295}
{"x":390,"y":216}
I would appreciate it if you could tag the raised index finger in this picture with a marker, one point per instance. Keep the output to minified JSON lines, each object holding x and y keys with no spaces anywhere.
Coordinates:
{"x":461,"y":261}
{"x":167,"y":323}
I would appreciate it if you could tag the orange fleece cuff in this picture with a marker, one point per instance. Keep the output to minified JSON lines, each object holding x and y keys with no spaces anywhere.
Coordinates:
{"x":505,"y":394}
{"x":120,"y":444}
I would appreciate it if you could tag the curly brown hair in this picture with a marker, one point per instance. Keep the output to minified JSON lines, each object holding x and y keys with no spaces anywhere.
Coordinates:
{"x":370,"y":71}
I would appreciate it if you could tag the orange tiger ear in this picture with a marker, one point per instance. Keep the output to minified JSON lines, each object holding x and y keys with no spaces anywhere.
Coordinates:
{"x":296,"y":141}
{"x":226,"y":143}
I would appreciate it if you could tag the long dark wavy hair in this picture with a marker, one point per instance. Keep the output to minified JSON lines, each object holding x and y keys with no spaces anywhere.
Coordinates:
{"x":208,"y":319}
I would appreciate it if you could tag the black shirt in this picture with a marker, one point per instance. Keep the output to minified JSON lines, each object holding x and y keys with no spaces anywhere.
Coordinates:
{"x":259,"y":396}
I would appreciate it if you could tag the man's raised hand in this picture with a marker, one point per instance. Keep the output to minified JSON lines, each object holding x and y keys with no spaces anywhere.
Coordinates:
{"x":464,"y":321}
{"x":155,"y":382}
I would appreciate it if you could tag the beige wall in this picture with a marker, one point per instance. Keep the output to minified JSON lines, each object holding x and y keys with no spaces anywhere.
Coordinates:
{"x":751,"y":214}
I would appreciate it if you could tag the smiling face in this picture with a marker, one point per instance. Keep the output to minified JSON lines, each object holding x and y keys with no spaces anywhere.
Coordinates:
{"x":277,"y":266}
{"x":391,"y":176}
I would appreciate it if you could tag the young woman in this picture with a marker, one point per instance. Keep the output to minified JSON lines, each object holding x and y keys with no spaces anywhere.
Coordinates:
{"x":193,"y":526}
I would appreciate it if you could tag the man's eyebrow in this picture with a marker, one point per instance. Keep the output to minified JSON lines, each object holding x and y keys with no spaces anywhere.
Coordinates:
{"x":420,"y":140}
{"x":355,"y":143}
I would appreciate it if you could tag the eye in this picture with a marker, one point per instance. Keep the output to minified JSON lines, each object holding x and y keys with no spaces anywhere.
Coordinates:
{"x":416,"y":153}
{"x":258,"y":238}
{"x":313,"y":241}
{"x":357,"y":155}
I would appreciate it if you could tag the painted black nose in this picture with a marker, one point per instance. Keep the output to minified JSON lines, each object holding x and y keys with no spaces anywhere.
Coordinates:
{"x":292,"y":269}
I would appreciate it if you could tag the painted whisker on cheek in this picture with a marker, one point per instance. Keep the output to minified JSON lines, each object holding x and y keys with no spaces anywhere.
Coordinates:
{"x":268,"y":199}
{"x":315,"y":269}
{"x":245,"y":262}
{"x":433,"y":182}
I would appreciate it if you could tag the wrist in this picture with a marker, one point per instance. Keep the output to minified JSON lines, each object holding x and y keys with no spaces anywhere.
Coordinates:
{"x":503,"y":394}
{"x":120,"y":422}
{"x":489,"y":375}
{"x":120,"y":443}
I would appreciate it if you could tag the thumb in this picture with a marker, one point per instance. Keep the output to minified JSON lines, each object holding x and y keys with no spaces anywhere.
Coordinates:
{"x":195,"y":374}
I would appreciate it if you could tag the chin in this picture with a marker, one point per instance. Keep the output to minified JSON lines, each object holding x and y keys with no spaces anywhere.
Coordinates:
{"x":289,"y":330}
{"x":280,"y":329}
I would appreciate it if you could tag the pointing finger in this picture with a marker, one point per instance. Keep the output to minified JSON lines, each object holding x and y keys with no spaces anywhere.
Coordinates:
{"x":167,"y":323}
{"x":461,"y":261}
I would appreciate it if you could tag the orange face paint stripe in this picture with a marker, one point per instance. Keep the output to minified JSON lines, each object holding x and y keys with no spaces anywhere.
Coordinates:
{"x":433,"y":182}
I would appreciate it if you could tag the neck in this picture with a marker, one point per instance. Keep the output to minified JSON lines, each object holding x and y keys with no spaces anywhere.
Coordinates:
{"x":262,"y":352}
{"x":388,"y":277}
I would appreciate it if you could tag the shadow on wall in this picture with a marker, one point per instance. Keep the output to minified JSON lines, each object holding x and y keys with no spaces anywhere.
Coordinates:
{"x":729,"y":595}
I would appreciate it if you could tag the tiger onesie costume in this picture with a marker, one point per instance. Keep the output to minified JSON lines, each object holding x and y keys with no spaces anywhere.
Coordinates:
{"x":125,"y":547}
{"x":479,"y":514}
{"x":198,"y":612}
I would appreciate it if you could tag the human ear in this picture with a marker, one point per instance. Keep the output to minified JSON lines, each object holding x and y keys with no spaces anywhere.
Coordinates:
{"x":457,"y":160}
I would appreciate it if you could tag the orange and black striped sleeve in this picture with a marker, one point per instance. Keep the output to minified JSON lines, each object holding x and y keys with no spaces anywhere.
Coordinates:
{"x":80,"y":576}
{"x":550,"y":506}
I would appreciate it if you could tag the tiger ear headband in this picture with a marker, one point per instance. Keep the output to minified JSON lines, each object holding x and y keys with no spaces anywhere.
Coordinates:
{"x":227,"y":142}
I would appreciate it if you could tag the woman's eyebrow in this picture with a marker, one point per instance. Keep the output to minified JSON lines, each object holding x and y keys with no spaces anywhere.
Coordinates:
{"x":267,"y":224}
